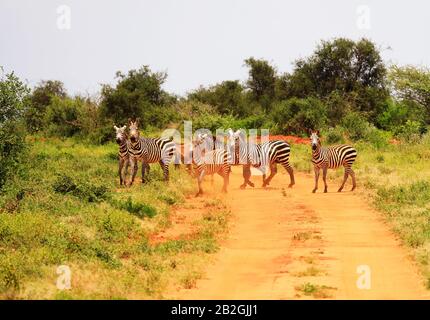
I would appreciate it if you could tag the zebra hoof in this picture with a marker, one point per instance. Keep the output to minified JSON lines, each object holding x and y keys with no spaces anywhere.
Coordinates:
{"x":243,"y":186}
{"x":325,"y":191}
{"x":251,"y":184}
{"x":340,"y":190}
{"x":315,"y":190}
{"x":353,"y":188}
{"x":290,"y":185}
{"x":198,"y":194}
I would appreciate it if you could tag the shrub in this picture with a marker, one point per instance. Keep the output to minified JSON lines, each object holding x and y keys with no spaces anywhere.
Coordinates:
{"x":298,"y":115}
{"x":355,"y":125}
{"x":13,"y":94}
{"x":410,"y":131}
{"x":378,"y":138}
{"x":89,"y":192}
{"x":335,"y":135}
{"x":138,"y":209}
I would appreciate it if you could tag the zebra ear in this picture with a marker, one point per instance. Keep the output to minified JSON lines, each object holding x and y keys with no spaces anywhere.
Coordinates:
{"x":124,"y":127}
{"x":318,"y":133}
{"x":129,"y":121}
{"x":115,"y":127}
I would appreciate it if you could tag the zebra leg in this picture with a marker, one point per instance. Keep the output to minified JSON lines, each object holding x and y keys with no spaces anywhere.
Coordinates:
{"x":120,"y":171}
{"x":165,"y":167}
{"x":246,"y":175}
{"x":273,"y":171}
{"x":317,"y":175}
{"x":199,"y":182}
{"x":133,"y":164}
{"x":226,"y":176}
{"x":291,"y":173}
{"x":145,"y":170}
{"x":325,"y":179}
{"x":345,"y":177}
{"x":352,"y":174}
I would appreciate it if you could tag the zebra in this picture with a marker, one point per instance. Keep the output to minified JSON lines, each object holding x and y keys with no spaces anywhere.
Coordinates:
{"x":149,"y":150}
{"x":261,"y":156}
{"x":121,"y":139}
{"x":211,"y":162}
{"x":331,"y":158}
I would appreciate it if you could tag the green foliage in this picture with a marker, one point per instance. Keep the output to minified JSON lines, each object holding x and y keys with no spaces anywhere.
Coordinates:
{"x":13,"y":94}
{"x":140,"y":210}
{"x":261,"y":81}
{"x":299,"y":115}
{"x":137,"y":94}
{"x":228,"y":97}
{"x":356,"y":126}
{"x":40,"y":99}
{"x":417,"y":193}
{"x":334,"y":135}
{"x":410,"y":131}
{"x":412,"y":84}
{"x":63,"y":116}
{"x":92,"y":193}
{"x":343,"y":67}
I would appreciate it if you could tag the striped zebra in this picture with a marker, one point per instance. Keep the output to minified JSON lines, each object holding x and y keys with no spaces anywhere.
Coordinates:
{"x":149,"y":150}
{"x":121,"y":139}
{"x":331,"y":158}
{"x":208,"y":161}
{"x":261,"y":156}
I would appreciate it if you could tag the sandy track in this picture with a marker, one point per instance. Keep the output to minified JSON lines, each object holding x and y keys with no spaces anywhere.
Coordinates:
{"x":281,"y":239}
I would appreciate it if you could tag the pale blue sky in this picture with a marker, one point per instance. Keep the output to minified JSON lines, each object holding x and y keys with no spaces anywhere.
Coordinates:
{"x":195,"y":41}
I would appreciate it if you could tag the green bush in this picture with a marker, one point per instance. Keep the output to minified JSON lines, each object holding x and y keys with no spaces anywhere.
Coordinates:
{"x":138,"y":209}
{"x":334,"y":135}
{"x":417,"y":193}
{"x":356,"y":126}
{"x":297,"y":116}
{"x":378,"y":138}
{"x":89,"y":192}
{"x":410,"y":131}
{"x":13,"y":94}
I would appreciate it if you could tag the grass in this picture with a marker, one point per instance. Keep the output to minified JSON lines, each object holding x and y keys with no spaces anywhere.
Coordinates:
{"x":396,"y":180}
{"x":316,"y":291}
{"x":67,"y":209}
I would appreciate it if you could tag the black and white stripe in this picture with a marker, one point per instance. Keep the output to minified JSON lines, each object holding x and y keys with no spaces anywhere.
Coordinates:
{"x":209,"y":161}
{"x":150,"y":150}
{"x":332,"y":158}
{"x":261,"y":156}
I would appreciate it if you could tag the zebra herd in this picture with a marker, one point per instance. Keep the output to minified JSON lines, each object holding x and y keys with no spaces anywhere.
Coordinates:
{"x":211,"y":155}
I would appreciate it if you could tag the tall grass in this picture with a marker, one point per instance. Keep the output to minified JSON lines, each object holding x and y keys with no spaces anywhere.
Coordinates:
{"x":67,"y":209}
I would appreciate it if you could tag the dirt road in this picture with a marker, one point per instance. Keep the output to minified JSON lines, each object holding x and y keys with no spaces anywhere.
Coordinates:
{"x":292,"y":244}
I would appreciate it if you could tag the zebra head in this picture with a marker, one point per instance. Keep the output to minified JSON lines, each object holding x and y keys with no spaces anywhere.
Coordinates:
{"x":134,"y":130}
{"x":200,"y":139}
{"x":234,"y":138}
{"x":120,"y":134}
{"x":315,"y":139}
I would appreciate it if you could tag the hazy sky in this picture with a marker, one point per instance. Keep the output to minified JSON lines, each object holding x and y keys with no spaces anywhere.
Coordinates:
{"x":195,"y":41}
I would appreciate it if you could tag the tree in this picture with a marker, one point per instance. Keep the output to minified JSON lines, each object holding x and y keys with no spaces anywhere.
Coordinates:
{"x":353,"y":69}
{"x":13,"y":95}
{"x":261,"y":81}
{"x":40,"y":99}
{"x":411,"y":84}
{"x":299,"y":115}
{"x":137,"y":94}
{"x":227,"y":97}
